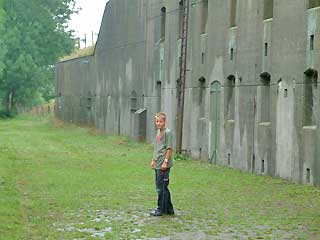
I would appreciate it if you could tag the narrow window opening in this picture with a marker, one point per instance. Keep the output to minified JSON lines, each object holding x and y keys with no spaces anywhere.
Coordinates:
{"x":202,"y":82}
{"x":233,"y":13}
{"x":268,"y":9}
{"x":265,"y":49}
{"x":163,"y":24}
{"x":310,"y":84}
{"x":262,"y":166}
{"x":89,"y":101}
{"x":264,"y":101}
{"x":204,"y":16}
{"x":202,"y":58}
{"x":229,"y":158}
{"x":158,"y":92}
{"x":285,"y":92}
{"x":311,"y":42}
{"x":308,"y":173}
{"x":134,"y":101}
{"x":231,"y":54}
{"x":230,"y":98}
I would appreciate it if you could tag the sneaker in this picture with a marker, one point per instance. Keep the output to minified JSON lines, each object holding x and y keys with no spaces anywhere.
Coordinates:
{"x":156,"y":213}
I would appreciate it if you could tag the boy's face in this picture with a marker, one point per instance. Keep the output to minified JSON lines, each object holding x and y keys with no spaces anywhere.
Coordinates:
{"x":160,"y":122}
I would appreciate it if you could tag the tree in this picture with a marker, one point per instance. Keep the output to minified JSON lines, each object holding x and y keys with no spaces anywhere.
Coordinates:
{"x":2,"y":45}
{"x":35,"y":37}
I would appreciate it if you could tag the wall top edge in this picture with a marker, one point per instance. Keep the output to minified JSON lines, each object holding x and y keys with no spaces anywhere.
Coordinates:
{"x":313,"y":9}
{"x":74,"y":59}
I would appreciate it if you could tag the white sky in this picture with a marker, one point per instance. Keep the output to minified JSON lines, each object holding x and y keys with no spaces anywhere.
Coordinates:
{"x":88,"y":19}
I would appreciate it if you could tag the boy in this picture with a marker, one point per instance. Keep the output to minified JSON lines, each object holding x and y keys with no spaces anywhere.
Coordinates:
{"x":161,"y":163}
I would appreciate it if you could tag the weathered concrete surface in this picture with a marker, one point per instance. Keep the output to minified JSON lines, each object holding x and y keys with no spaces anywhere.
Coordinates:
{"x":252,"y":61}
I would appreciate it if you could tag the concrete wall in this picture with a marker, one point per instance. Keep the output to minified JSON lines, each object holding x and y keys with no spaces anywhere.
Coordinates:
{"x":251,"y":96}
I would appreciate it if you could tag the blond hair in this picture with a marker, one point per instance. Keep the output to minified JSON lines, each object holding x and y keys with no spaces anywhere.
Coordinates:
{"x":162,"y":115}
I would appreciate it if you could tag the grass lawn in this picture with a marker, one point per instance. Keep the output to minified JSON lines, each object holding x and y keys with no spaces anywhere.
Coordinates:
{"x":61,"y":181}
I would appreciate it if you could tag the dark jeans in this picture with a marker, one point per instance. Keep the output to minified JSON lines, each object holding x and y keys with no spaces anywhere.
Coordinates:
{"x":164,"y":198}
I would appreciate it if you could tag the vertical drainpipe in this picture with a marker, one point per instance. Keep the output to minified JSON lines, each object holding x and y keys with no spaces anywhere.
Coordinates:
{"x":182,"y":77}
{"x":253,"y":131}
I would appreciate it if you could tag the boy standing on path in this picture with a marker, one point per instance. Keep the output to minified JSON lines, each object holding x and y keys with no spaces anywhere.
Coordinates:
{"x":161,"y":163}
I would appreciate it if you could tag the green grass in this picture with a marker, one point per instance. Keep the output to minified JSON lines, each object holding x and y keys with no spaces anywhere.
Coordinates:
{"x":66,"y":182}
{"x":88,"y":51}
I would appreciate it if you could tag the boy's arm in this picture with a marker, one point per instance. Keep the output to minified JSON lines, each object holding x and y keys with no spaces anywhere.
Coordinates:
{"x":168,"y":153}
{"x":169,"y":150}
{"x":165,"y":162}
{"x":153,"y":163}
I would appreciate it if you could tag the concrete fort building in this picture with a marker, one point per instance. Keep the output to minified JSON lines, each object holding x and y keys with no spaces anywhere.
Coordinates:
{"x":250,"y":80}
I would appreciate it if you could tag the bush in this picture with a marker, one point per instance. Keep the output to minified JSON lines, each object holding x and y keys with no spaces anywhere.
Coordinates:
{"x":7,"y":114}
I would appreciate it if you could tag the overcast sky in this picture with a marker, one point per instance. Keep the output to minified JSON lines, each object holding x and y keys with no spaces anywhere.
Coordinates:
{"x":88,"y":19}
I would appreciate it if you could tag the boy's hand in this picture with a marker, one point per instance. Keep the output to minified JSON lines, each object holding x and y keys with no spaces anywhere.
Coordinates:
{"x":153,"y":163}
{"x":164,"y":166}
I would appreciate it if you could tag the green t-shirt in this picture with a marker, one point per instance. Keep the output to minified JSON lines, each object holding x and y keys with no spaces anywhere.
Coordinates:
{"x":160,"y":148}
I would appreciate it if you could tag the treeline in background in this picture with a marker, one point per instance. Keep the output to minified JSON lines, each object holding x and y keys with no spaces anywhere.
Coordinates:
{"x":33,"y":37}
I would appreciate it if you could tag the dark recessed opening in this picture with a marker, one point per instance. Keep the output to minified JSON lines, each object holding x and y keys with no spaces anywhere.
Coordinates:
{"x":163,"y":24}
{"x":229,"y":158}
{"x":134,"y":101}
{"x":311,"y":73}
{"x":202,"y":58}
{"x":311,"y":42}
{"x":232,"y":80}
{"x":310,"y":86}
{"x":308,"y":172}
{"x":202,"y":80}
{"x":265,"y":78}
{"x":231,"y":54}
{"x":265,"y":49}
{"x":285,"y":92}
{"x":262,"y":166}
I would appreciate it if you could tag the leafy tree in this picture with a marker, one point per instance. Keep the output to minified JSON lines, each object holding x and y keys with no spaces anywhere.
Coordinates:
{"x":35,"y":37}
{"x":2,"y":45}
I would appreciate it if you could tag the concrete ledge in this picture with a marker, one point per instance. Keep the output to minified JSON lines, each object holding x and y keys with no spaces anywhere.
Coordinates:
{"x":265,"y":124}
{"x":313,"y":128}
{"x":268,"y":20}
